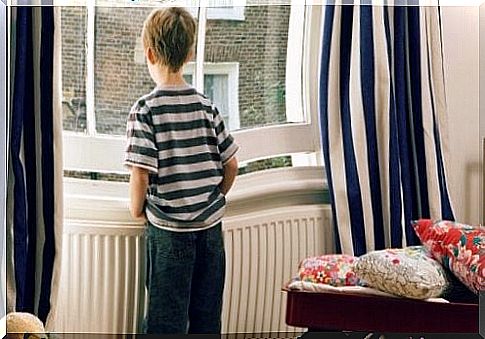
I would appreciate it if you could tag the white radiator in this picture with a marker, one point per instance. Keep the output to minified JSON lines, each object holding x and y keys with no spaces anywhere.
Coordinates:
{"x":263,"y":252}
{"x":102,"y":279}
{"x":102,"y":282}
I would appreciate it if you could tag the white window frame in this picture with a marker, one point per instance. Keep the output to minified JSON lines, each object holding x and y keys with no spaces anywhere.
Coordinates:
{"x":82,"y":151}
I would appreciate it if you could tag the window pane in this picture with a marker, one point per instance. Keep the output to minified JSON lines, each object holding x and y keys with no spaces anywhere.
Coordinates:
{"x":249,"y":93}
{"x":121,"y":74}
{"x":97,"y":176}
{"x":215,"y":87}
{"x":73,"y":28}
{"x":264,"y":164}
{"x":188,"y":78}
{"x":258,"y":45}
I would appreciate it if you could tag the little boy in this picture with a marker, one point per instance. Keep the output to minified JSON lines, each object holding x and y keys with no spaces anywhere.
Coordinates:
{"x":182,"y":165}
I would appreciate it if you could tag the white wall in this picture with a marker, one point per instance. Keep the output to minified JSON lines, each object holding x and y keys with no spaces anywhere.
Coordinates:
{"x":461,"y":53}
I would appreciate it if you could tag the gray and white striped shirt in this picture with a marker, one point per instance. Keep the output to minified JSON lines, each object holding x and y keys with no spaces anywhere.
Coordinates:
{"x":179,"y":136}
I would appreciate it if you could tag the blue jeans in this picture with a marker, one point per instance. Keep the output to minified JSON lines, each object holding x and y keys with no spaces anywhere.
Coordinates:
{"x":185,"y":280}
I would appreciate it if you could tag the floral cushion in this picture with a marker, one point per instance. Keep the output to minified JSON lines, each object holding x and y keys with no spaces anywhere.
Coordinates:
{"x":407,"y":272}
{"x":459,"y":247}
{"x":330,"y":269}
{"x":298,"y":285}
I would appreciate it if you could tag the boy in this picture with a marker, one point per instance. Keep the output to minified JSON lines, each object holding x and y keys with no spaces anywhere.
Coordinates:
{"x":182,"y":165}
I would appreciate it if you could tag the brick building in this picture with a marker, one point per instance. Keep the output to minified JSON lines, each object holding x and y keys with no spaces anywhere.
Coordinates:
{"x":245,"y":75}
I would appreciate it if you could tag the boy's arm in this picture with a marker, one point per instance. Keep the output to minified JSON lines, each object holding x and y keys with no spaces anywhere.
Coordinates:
{"x":230,"y":172}
{"x":138,"y":190}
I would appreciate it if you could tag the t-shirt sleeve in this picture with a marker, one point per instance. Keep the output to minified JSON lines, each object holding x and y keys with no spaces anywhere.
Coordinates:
{"x":141,"y":149}
{"x":225,"y":142}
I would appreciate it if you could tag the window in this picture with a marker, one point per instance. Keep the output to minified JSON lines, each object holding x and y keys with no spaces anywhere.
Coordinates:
{"x":253,"y":69}
{"x":221,"y":86}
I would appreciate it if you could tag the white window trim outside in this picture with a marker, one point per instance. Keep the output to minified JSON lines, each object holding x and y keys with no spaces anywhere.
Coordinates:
{"x":82,"y":151}
{"x":219,"y":9}
{"x":231,"y":69}
{"x":235,"y":13}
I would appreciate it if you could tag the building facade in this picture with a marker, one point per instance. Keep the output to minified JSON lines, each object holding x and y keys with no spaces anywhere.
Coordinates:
{"x":245,"y":55}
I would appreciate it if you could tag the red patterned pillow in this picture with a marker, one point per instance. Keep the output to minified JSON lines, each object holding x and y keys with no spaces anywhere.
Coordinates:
{"x":330,"y":269}
{"x":459,"y":247}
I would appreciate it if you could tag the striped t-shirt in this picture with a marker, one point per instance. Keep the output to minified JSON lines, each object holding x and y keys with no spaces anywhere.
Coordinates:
{"x":179,"y":136}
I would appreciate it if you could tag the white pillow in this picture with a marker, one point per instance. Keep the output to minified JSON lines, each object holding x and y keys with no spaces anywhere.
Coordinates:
{"x":407,"y":272}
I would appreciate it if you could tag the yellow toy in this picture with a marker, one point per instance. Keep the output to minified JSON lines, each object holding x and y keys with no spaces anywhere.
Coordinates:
{"x":19,"y":323}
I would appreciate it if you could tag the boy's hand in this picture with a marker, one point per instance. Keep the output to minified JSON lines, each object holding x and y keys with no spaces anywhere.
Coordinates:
{"x":141,"y":219}
{"x":138,"y":189}
{"x":230,"y":172}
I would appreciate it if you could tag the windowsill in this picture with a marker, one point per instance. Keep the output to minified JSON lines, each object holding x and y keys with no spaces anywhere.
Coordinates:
{"x":104,"y":201}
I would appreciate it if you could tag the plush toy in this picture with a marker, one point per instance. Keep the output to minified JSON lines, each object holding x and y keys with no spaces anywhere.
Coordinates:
{"x":19,"y":323}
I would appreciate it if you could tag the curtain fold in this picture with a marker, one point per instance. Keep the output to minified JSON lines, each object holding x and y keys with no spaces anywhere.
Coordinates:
{"x":383,"y":112}
{"x":58,"y":169}
{"x":33,"y":188}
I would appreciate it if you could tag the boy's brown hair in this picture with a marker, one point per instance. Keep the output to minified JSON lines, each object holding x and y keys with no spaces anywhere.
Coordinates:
{"x":170,"y":33}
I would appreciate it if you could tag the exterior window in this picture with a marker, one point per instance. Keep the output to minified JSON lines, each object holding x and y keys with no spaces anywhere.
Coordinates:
{"x":215,"y":85}
{"x":223,"y":10}
{"x":221,"y":86}
{"x":249,"y":57}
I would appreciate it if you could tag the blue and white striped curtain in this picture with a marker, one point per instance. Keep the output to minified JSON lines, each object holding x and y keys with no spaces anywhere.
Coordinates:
{"x":34,"y":194}
{"x":383,"y":118}
{"x":3,"y":158}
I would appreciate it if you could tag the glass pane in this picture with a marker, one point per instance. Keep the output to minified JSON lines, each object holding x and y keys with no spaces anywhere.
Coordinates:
{"x":256,"y":47}
{"x":264,"y":164}
{"x":97,"y":176}
{"x":73,"y":28}
{"x":188,"y":78}
{"x":121,"y":73}
{"x":245,"y":73}
{"x":216,"y":88}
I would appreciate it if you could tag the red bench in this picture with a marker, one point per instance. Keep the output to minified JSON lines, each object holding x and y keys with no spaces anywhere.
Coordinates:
{"x":369,"y":313}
